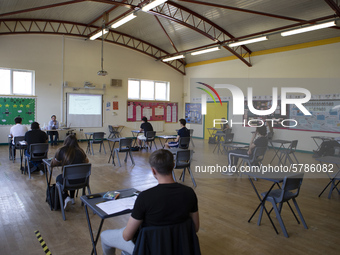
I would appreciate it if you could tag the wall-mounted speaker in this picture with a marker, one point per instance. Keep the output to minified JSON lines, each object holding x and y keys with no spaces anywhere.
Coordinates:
{"x":116,"y":83}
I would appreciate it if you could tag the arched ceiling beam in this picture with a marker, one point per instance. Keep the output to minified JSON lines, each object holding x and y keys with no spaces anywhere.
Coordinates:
{"x":334,"y":6}
{"x":198,"y":23}
{"x":35,"y":26}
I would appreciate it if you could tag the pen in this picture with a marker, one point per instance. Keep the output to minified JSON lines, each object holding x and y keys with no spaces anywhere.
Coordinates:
{"x":100,"y":202}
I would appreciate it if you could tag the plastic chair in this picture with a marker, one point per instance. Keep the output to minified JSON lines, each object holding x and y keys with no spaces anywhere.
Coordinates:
{"x":125,"y":145}
{"x":74,"y":177}
{"x":97,"y":138}
{"x":256,"y":158}
{"x":227,"y":139}
{"x":16,"y":145}
{"x":183,"y":161}
{"x":184,"y":142}
{"x":285,"y":153}
{"x":112,"y":132}
{"x":179,"y":239}
{"x":290,"y":190}
{"x":149,"y":138}
{"x":38,"y":152}
{"x":191,"y":134}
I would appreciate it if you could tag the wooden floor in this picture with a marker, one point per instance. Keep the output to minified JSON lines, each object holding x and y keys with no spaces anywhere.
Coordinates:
{"x":225,"y":204}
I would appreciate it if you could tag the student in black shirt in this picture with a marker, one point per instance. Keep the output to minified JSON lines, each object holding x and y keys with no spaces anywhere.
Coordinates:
{"x":145,"y":126}
{"x":165,"y":204}
{"x":183,"y":132}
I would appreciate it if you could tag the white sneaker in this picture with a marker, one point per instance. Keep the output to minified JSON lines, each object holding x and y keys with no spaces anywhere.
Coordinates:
{"x":67,"y":200}
{"x":73,"y":202}
{"x":227,"y":173}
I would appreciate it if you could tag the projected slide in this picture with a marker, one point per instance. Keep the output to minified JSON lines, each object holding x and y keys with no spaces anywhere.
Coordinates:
{"x":84,"y":110}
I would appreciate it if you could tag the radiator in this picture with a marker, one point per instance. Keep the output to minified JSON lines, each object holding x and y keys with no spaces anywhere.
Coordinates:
{"x":158,"y":126}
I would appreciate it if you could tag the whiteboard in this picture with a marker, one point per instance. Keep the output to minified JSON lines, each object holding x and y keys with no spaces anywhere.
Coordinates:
{"x":84,"y":110}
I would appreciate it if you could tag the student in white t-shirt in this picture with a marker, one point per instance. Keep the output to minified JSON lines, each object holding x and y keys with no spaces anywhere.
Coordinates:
{"x":17,"y":130}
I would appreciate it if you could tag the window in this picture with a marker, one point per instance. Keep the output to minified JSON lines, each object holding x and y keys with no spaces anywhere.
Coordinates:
{"x":148,"y":90}
{"x":16,"y":82}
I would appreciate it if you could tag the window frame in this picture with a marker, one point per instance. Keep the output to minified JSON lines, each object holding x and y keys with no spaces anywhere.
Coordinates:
{"x":167,"y":84}
{"x":11,"y":79}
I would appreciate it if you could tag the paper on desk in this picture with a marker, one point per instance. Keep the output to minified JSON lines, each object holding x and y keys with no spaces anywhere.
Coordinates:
{"x":115,"y":206}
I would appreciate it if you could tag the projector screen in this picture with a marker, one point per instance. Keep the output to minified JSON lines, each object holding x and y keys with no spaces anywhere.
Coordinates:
{"x":84,"y":110}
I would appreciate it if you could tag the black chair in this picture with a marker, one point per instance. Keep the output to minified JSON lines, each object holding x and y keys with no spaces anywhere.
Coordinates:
{"x":256,"y":158}
{"x":16,"y":145}
{"x":149,"y":139}
{"x":112,"y":132}
{"x":227,"y":139}
{"x":288,"y":152}
{"x":179,"y":239}
{"x":290,"y":190}
{"x":184,"y":142}
{"x":97,"y":138}
{"x":74,"y":177}
{"x":125,"y":145}
{"x":191,"y":134}
{"x":183,"y":161}
{"x":38,"y":152}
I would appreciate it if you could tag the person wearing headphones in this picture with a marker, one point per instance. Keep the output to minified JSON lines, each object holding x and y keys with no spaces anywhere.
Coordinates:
{"x":53,"y":124}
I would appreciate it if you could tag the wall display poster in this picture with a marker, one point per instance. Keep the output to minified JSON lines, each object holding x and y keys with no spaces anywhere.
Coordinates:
{"x":193,"y":113}
{"x":325,"y":116}
{"x":11,"y":107}
{"x":265,"y":105}
{"x":154,"y":111}
{"x":115,"y":105}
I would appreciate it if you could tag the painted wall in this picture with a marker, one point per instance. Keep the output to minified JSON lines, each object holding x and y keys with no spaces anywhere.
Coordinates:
{"x":314,"y":68}
{"x":56,"y":59}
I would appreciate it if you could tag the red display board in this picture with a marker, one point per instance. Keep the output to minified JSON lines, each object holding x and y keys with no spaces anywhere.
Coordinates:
{"x":154,"y":111}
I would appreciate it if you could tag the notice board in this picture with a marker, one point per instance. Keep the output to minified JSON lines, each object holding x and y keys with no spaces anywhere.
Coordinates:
{"x":11,"y":107}
{"x":154,"y":111}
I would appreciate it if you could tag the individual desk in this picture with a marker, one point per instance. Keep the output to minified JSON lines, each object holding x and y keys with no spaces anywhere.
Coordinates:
{"x":88,"y":136}
{"x":275,"y":178}
{"x":166,"y":137}
{"x":332,"y":177}
{"x":234,"y":146}
{"x":22,"y":148}
{"x":92,"y":204}
{"x":212,"y":131}
{"x":135,"y":134}
{"x":282,"y":146}
{"x":322,"y":138}
{"x":114,"y":140}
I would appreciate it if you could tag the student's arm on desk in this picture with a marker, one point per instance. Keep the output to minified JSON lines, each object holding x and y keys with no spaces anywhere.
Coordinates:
{"x":131,"y":228}
{"x":196,"y":219}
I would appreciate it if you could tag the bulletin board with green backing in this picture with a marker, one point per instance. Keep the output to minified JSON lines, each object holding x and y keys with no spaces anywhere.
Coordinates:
{"x":11,"y":107}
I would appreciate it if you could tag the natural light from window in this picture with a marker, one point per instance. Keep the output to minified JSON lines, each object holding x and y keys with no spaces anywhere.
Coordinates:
{"x":16,"y":82}
{"x":148,"y":90}
{"x":22,"y":83}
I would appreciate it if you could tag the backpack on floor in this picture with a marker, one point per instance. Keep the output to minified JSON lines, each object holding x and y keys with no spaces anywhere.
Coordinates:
{"x":54,"y":202}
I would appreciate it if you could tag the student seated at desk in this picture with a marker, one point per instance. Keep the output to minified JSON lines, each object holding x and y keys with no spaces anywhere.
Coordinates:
{"x":35,"y":135}
{"x":259,"y":139}
{"x":145,"y":126}
{"x":183,"y":132}
{"x":17,"y":130}
{"x":53,"y":124}
{"x":70,"y":153}
{"x":167,"y":203}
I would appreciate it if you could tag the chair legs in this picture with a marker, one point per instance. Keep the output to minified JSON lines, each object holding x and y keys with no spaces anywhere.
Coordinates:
{"x":278,"y":215}
{"x":183,"y":176}
{"x":61,"y":201}
{"x":125,"y":160}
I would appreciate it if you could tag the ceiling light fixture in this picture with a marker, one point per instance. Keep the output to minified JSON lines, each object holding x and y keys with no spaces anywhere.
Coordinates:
{"x":259,"y":39}
{"x":309,"y":28}
{"x":102,"y":72}
{"x":173,"y":58}
{"x":124,"y":20}
{"x":152,"y":5}
{"x":205,"y":51}
{"x":99,"y":34}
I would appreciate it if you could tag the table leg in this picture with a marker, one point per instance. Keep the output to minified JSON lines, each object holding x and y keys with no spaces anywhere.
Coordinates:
{"x":48,"y":181}
{"x":276,"y":152}
{"x":90,"y":229}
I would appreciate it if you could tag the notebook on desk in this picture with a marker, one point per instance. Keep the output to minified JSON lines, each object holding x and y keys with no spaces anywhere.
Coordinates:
{"x":69,"y":126}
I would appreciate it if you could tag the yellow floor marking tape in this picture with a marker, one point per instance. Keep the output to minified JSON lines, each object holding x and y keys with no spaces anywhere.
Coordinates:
{"x":42,"y":242}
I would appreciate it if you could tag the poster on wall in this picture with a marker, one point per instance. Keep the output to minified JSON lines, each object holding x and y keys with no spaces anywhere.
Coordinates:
{"x":265,"y":105}
{"x":114,"y":105}
{"x":325,"y":116}
{"x":11,"y":107}
{"x":193,"y":113}
{"x":154,"y":111}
